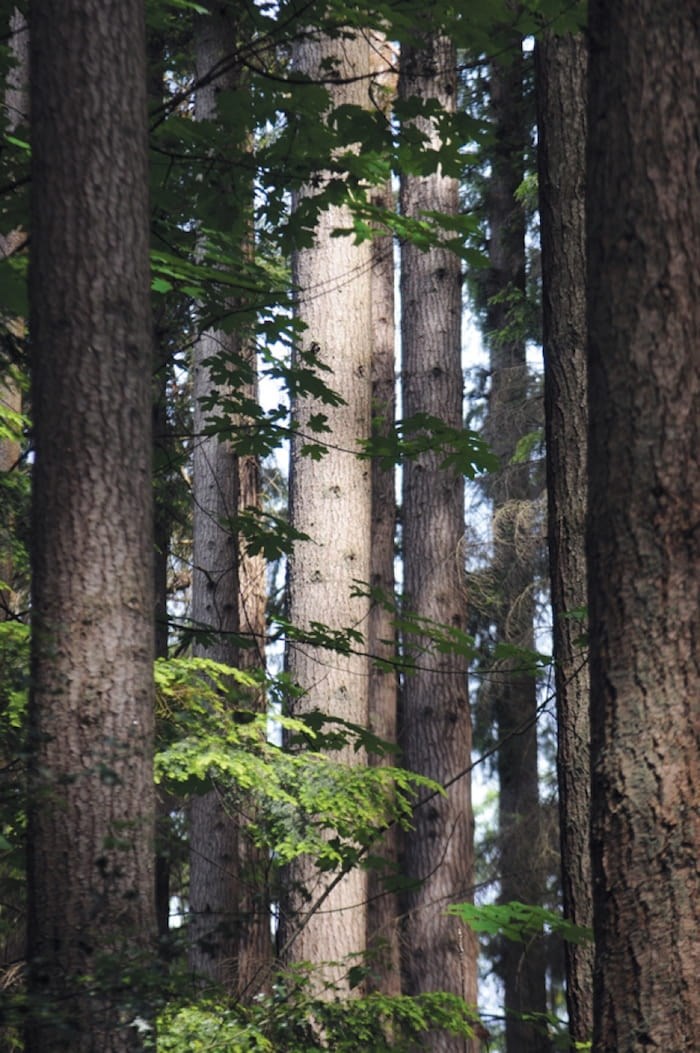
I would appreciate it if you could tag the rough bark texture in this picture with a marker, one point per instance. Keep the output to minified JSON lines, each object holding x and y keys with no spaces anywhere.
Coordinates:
{"x":255,"y":941}
{"x":643,"y":222}
{"x":512,"y":414}
{"x":561,"y":104}
{"x":382,"y":905}
{"x":438,"y":952}
{"x":228,"y":879}
{"x":91,"y":911}
{"x":330,"y":501}
{"x":214,"y":899}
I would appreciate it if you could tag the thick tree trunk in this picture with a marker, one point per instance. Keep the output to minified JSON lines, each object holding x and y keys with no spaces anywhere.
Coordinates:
{"x":91,"y":911}
{"x":439,"y":953}
{"x":512,"y":415}
{"x":643,"y":221}
{"x":330,"y":501}
{"x":561,"y":103}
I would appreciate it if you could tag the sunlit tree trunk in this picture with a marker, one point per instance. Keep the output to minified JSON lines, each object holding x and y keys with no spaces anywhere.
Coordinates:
{"x":438,"y":952}
{"x":643,"y":231}
{"x":561,"y":103}
{"x":331,"y":502}
{"x":91,"y":809}
{"x":512,"y":414}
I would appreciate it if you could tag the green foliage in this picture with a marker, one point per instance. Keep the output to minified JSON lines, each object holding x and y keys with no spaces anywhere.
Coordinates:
{"x":294,"y":1020}
{"x":518,"y":921}
{"x":306,"y":801}
{"x":461,"y":449}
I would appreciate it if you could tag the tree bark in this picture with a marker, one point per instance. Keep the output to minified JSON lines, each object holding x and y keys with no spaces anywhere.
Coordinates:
{"x":439,"y":953}
{"x":331,"y":502}
{"x":643,"y":542}
{"x":512,"y":414}
{"x":229,"y":896}
{"x":382,"y":905}
{"x":561,"y":102}
{"x":91,"y":806}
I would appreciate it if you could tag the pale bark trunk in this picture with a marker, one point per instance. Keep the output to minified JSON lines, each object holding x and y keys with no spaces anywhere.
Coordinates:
{"x":439,"y":953}
{"x":561,"y":103}
{"x":91,"y":910}
{"x":330,"y":501}
{"x":643,"y":229}
{"x":512,"y":415}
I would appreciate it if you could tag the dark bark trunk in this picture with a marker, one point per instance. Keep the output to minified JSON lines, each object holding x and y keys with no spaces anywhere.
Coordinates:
{"x":439,"y":953}
{"x":91,"y":911}
{"x":513,"y":414}
{"x":643,"y":229}
{"x":382,"y":905}
{"x":561,"y":103}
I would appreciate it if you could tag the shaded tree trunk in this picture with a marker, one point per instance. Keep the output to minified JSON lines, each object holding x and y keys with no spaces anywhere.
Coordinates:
{"x":91,"y":808}
{"x":229,"y":898}
{"x":561,"y":103}
{"x":331,"y":502}
{"x":438,"y":952}
{"x":643,"y":542}
{"x":382,"y":905}
{"x":512,"y":414}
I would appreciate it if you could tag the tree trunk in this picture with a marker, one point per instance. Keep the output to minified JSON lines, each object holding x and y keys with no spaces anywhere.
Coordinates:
{"x":382,"y":905}
{"x":512,"y":415}
{"x":643,"y":229}
{"x":91,"y":808}
{"x":561,"y":102}
{"x":330,"y":501}
{"x":439,"y":953}
{"x":231,"y":941}
{"x":214,"y":900}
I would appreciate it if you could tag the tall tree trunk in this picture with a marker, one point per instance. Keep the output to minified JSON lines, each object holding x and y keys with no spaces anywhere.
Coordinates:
{"x":231,"y":941}
{"x":439,"y":954}
{"x":561,"y":103}
{"x":643,"y":229}
{"x":521,"y":966}
{"x":91,"y":911}
{"x":214,"y":895}
{"x":330,"y":501}
{"x":255,"y":940}
{"x":382,"y":905}
{"x":162,"y":516}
